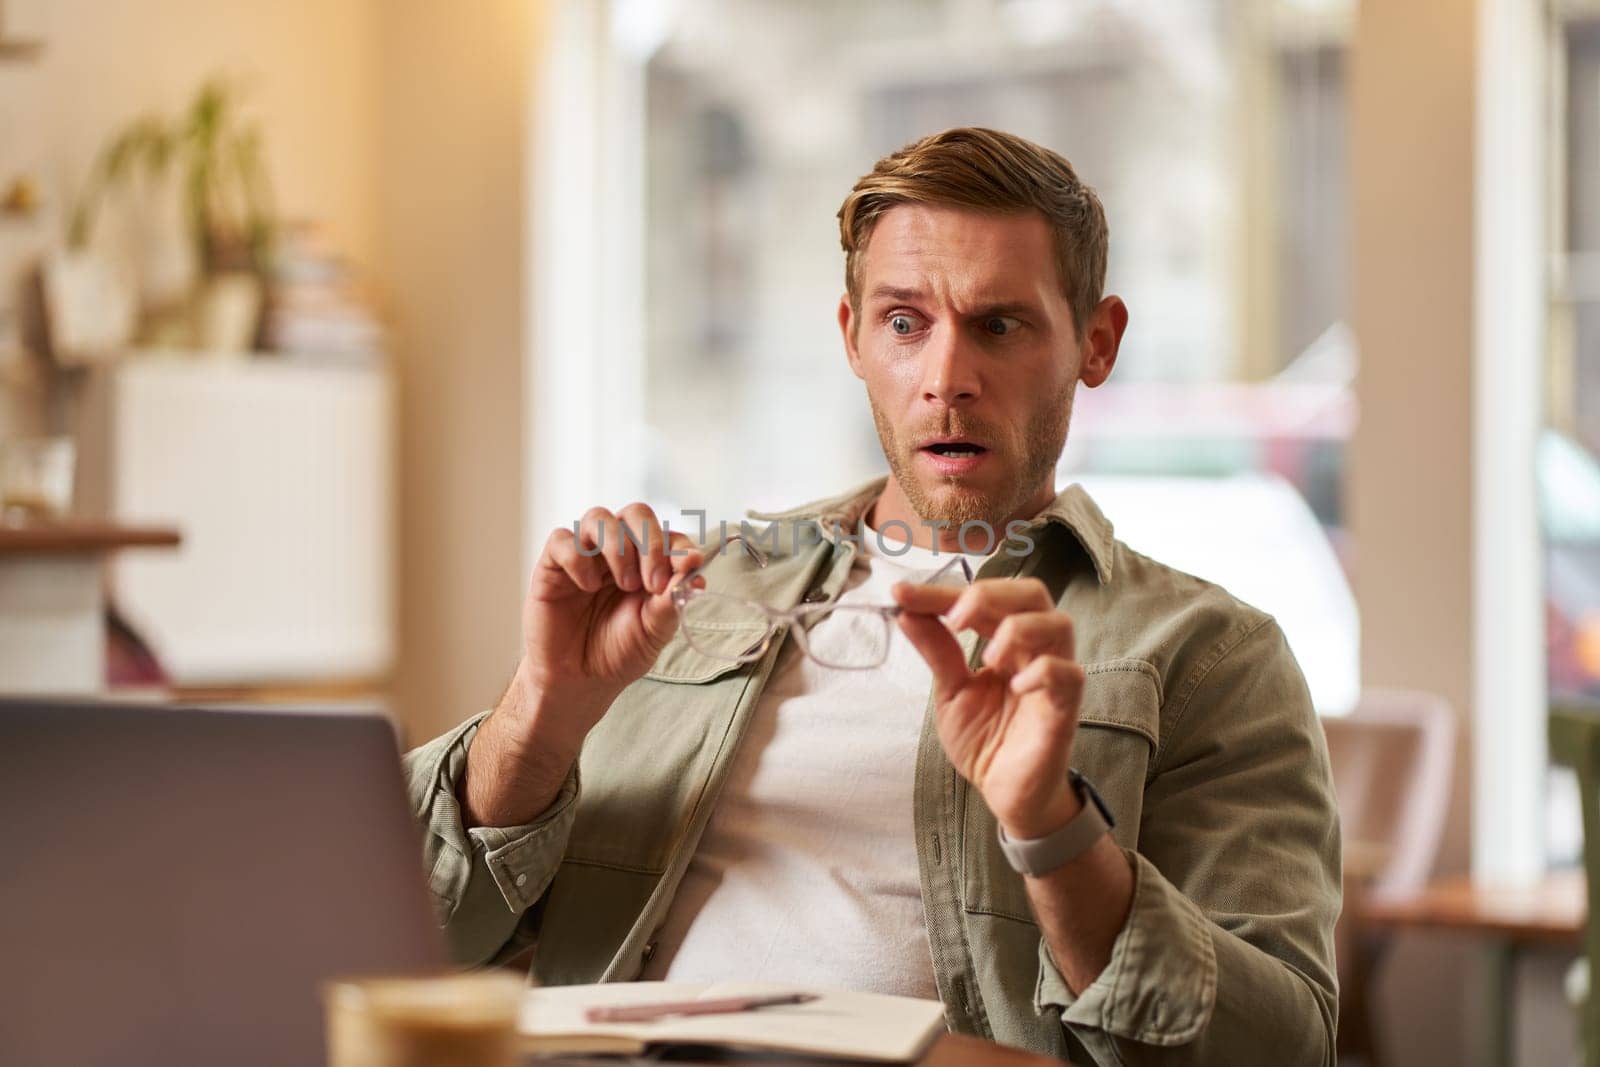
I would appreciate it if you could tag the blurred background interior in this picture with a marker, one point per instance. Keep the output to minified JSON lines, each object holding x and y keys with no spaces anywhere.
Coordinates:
{"x":317,"y":315}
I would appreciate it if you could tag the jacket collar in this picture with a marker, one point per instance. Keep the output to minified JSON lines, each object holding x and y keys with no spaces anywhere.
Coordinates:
{"x":1072,"y":508}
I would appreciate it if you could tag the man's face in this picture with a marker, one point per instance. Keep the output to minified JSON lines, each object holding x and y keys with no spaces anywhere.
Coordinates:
{"x":967,"y":346}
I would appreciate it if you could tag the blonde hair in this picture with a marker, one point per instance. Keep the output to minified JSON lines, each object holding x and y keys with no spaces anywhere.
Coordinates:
{"x":988,"y":171}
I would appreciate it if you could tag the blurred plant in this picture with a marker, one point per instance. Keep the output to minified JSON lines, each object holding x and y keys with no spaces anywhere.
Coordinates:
{"x":227,"y":199}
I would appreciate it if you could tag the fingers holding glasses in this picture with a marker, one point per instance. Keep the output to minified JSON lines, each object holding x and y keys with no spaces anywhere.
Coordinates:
{"x":985,"y":605}
{"x":646,"y":546}
{"x":1017,"y":617}
{"x":562,"y":563}
{"x":660,"y":614}
{"x":600,"y":536}
{"x":981,"y":606}
{"x":938,"y":648}
{"x":629,"y":549}
{"x":1026,"y":636}
{"x":681,"y":560}
{"x":632,"y":545}
{"x":922,"y":599}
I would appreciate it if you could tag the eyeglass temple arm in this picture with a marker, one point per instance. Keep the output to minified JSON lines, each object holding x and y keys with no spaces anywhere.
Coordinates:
{"x":761,"y":559}
{"x":966,"y":570}
{"x":751,"y":550}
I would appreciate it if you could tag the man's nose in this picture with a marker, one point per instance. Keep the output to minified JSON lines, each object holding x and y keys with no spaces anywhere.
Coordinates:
{"x":950,"y":367}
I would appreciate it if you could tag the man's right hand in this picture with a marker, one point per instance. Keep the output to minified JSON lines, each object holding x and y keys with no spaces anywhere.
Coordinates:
{"x":592,"y":624}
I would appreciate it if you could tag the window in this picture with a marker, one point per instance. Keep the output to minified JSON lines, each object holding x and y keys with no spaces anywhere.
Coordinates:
{"x":1213,"y":131}
{"x":1569,"y":453}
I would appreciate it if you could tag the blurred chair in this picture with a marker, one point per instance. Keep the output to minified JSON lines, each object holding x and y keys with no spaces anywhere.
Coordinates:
{"x":1393,"y":759}
{"x":1575,"y":743}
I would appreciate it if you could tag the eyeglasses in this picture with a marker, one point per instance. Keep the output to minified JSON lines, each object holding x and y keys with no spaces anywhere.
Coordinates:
{"x":735,"y":630}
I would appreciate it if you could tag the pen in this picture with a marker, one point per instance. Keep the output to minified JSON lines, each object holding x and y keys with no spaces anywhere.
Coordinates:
{"x":643,"y":1013}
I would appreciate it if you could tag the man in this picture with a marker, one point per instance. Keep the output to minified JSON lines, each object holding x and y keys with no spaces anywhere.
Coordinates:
{"x":649,"y":800}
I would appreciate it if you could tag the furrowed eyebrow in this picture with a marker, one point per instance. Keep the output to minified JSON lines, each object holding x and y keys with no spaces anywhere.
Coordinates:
{"x":896,"y":294}
{"x":992,"y":310}
{"x":889,"y":292}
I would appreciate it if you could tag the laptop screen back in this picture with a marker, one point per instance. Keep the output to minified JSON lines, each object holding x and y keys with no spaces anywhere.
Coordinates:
{"x":175,"y":883}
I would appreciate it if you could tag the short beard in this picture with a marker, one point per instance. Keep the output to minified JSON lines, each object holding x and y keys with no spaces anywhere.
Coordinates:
{"x":1043,"y":439}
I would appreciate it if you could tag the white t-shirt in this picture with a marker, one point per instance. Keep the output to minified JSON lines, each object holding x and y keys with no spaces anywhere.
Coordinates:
{"x":807,"y":871}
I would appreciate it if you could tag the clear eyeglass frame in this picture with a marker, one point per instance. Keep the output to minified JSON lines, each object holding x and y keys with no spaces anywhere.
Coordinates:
{"x":686,"y":596}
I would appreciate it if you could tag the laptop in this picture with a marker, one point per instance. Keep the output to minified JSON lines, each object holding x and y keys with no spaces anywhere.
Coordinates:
{"x":177,"y":882}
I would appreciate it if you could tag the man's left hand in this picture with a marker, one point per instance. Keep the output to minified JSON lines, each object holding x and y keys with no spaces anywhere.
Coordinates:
{"x":1007,"y":727}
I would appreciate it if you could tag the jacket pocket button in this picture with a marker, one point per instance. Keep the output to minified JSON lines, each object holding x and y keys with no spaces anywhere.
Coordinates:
{"x":649,"y":951}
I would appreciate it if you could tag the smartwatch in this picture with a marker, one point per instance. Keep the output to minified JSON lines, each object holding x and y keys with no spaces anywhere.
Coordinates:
{"x":1041,"y":855}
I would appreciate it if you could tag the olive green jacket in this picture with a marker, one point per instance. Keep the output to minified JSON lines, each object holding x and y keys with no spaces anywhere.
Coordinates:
{"x":1197,"y":729}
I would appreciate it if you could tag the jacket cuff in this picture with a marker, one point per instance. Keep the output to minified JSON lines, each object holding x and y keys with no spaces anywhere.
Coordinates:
{"x":519,"y":861}
{"x":522,"y":860}
{"x":1160,"y":984}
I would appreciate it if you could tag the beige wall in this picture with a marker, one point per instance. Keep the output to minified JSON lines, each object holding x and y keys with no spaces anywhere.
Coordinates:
{"x":310,"y":65}
{"x":1409,"y":483}
{"x":452,"y":196}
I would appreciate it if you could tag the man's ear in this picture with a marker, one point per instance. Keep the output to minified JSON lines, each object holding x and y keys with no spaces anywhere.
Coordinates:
{"x":1102,"y":339}
{"x":847,"y":328}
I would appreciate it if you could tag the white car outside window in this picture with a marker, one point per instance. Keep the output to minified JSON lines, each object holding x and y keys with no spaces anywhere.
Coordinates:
{"x":1254,"y":535}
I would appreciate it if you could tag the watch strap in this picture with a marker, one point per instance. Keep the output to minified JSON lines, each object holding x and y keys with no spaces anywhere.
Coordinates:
{"x":1041,"y":855}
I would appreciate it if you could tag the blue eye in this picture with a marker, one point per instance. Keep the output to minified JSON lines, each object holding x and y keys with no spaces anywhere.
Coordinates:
{"x":1001,"y":325}
{"x":901,"y":324}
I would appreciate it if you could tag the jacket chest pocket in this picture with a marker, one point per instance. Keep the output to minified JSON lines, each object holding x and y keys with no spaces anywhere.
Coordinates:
{"x":1118,"y":732}
{"x":646,"y":765}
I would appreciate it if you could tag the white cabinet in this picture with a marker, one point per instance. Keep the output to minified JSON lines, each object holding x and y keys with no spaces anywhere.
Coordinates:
{"x":279,"y":476}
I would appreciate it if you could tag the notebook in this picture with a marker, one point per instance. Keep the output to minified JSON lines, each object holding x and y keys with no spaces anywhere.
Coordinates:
{"x":860,"y":1026}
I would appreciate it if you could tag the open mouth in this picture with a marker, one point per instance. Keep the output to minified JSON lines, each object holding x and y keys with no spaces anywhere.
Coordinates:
{"x":955,"y":449}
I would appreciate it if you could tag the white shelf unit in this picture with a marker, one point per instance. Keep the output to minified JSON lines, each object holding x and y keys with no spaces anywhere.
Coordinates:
{"x":280,"y":477}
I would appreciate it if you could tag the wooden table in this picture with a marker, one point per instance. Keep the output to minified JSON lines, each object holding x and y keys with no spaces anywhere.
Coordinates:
{"x":1550,"y":911}
{"x":951,"y":1050}
{"x":52,"y":601}
{"x":1506,"y":919}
